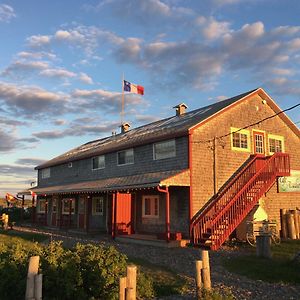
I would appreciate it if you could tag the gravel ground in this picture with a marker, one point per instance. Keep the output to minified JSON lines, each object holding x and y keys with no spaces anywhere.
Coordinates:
{"x":182,"y":261}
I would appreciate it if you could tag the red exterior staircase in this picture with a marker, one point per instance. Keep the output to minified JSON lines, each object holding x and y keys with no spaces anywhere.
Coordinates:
{"x":218,"y":219}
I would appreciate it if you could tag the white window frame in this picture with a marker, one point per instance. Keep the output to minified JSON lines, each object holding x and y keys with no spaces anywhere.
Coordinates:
{"x":152,"y":214}
{"x":278,"y":138}
{"x":46,"y":173}
{"x":168,"y":154}
{"x":39,"y":210}
{"x":63,"y":202}
{"x":94,"y":206}
{"x":127,"y":150}
{"x":98,"y":157}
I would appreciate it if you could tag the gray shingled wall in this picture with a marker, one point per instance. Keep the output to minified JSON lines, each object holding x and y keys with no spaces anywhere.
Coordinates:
{"x":143,"y":163}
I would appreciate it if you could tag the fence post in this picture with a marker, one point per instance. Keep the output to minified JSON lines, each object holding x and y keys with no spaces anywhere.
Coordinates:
{"x":38,"y":286}
{"x":291,"y":226}
{"x":296,"y":221}
{"x":283,"y":223}
{"x":131,"y":282}
{"x":205,"y":270}
{"x":198,"y":279}
{"x":33,"y":269}
{"x":122,"y":288}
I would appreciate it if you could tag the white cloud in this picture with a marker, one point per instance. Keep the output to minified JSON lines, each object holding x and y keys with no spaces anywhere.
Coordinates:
{"x":58,"y":72}
{"x":85,"y":78}
{"x":213,"y":29}
{"x":36,"y":55}
{"x":6,"y":13}
{"x":39,"y":40}
{"x":21,"y":67}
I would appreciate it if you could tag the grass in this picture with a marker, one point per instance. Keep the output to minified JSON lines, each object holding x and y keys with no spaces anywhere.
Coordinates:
{"x":165,"y":281}
{"x":281,"y":268}
{"x":6,"y":235}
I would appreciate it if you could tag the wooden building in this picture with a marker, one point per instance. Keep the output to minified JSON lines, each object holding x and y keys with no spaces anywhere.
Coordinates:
{"x":196,"y":174}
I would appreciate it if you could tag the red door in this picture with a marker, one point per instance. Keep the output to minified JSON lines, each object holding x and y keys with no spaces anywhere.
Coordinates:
{"x":123,"y":214}
{"x":259,"y":142}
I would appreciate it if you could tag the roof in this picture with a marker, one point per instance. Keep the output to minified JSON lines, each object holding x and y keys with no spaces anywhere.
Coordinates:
{"x":174,"y":126}
{"x":167,"y":178}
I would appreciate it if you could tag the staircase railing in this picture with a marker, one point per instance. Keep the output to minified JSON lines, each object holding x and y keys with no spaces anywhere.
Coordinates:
{"x":235,"y":201}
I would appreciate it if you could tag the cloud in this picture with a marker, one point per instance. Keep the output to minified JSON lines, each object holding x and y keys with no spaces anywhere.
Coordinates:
{"x":19,"y":68}
{"x":30,"y":161}
{"x":58,"y":73}
{"x":6,"y":13}
{"x":11,"y":122}
{"x":31,"y":100}
{"x":211,"y":28}
{"x":39,"y":40}
{"x":36,"y":55}
{"x":8,"y":141}
{"x":60,"y":122}
{"x":16,"y":169}
{"x":85,"y":78}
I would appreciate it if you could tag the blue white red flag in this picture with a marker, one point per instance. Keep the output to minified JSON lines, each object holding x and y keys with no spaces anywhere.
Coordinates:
{"x":133,"y":88}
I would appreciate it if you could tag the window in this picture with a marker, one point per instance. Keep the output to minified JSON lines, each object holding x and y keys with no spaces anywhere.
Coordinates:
{"x":41,"y":206}
{"x":125,"y":157}
{"x":150,"y":206}
{"x":66,"y":203}
{"x":98,"y":162}
{"x":164,"y":149}
{"x":276,"y":143}
{"x":240,"y":140}
{"x":45,"y":173}
{"x":97,"y":205}
{"x":54,"y":205}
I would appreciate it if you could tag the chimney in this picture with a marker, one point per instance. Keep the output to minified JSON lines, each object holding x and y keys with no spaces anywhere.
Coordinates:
{"x":180,"y":109}
{"x":124,"y":127}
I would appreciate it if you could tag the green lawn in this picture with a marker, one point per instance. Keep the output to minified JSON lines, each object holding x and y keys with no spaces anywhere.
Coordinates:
{"x":6,"y":235}
{"x":280,"y":268}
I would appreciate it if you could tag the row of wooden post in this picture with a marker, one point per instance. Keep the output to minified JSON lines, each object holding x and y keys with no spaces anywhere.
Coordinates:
{"x":34,"y":284}
{"x":290,"y":224}
{"x":203,"y":280}
{"x":127,"y":287}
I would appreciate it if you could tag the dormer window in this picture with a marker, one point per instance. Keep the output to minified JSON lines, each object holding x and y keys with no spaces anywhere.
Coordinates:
{"x":125,"y":157}
{"x":98,"y":162}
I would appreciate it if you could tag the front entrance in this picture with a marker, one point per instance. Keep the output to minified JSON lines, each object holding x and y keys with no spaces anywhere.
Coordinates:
{"x":123,"y":214}
{"x":259,"y":142}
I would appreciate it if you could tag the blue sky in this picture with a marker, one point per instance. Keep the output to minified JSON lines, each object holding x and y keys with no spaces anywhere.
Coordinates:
{"x":61,"y":65}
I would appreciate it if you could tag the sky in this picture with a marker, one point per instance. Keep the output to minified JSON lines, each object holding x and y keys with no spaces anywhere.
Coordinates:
{"x":62,"y":64}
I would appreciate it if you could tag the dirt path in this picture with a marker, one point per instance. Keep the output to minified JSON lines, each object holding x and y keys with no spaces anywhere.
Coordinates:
{"x":182,"y":261}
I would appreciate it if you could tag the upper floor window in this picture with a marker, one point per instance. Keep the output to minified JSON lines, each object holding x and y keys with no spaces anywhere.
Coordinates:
{"x":46,"y":173}
{"x":164,"y":149}
{"x":97,"y":204}
{"x":125,"y":157}
{"x":98,"y":162}
{"x":240,"y":139}
{"x":276,"y":143}
{"x":150,"y":206}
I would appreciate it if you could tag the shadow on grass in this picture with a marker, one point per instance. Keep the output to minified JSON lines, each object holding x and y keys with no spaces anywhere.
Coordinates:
{"x":27,"y":236}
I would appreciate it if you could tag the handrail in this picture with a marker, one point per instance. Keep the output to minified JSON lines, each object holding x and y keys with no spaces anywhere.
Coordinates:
{"x":242,"y":190}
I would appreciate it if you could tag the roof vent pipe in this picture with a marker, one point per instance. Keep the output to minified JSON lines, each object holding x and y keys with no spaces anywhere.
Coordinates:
{"x":180,"y":109}
{"x":125,"y":127}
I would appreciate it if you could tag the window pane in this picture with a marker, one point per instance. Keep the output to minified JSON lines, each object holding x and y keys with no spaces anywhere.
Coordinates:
{"x":147,"y":207}
{"x":98,"y":162}
{"x":46,"y":173}
{"x":66,"y":206}
{"x":125,"y":157}
{"x":240,"y":140}
{"x":165,"y":149}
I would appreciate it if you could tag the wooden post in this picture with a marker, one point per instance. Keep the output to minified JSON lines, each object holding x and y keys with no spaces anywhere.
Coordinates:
{"x":130,"y":294}
{"x":205,"y":270}
{"x":167,"y":215}
{"x":38,"y":286}
{"x":263,"y":246}
{"x":296,"y":221}
{"x":291,"y":226}
{"x":33,"y":269}
{"x":298,"y":218}
{"x":198,"y":279}
{"x":122,"y":288}
{"x":131,"y":282}
{"x":283,"y":232}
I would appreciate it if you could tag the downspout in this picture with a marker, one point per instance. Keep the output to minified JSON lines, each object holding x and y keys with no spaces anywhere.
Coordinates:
{"x":191,"y":182}
{"x":166,"y":191}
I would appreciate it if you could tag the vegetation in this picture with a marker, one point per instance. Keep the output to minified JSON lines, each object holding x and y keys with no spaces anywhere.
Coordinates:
{"x":281,"y":268}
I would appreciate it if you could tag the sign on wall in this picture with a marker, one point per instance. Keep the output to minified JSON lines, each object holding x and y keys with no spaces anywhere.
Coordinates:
{"x":289,"y":183}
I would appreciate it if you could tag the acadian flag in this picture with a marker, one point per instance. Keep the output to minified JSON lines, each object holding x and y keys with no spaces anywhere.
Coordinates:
{"x":133,"y":88}
{"x":10,"y":198}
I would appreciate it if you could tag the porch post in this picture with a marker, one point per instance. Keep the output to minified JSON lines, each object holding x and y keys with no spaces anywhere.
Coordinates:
{"x":22,"y":211}
{"x":114,"y":215}
{"x":167,"y":215}
{"x":33,"y":209}
{"x":46,"y":211}
{"x":87,"y":212}
{"x":70,"y":211}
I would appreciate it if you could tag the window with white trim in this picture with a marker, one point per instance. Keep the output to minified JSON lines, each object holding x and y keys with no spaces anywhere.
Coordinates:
{"x":125,"y":157}
{"x":41,"y":206}
{"x":150,"y":206}
{"x":164,"y":149}
{"x":97,"y":205}
{"x":240,"y":139}
{"x":68,"y":203}
{"x":98,"y":162}
{"x":45,"y":173}
{"x":276,"y":143}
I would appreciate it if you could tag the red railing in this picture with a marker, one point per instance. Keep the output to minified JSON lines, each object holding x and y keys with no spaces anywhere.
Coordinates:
{"x":221,"y":216}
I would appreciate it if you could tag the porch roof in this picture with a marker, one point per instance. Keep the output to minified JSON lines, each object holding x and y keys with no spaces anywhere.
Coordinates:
{"x":148,"y":180}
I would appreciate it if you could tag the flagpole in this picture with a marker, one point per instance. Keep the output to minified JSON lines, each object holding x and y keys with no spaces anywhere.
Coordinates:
{"x":123,"y":104}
